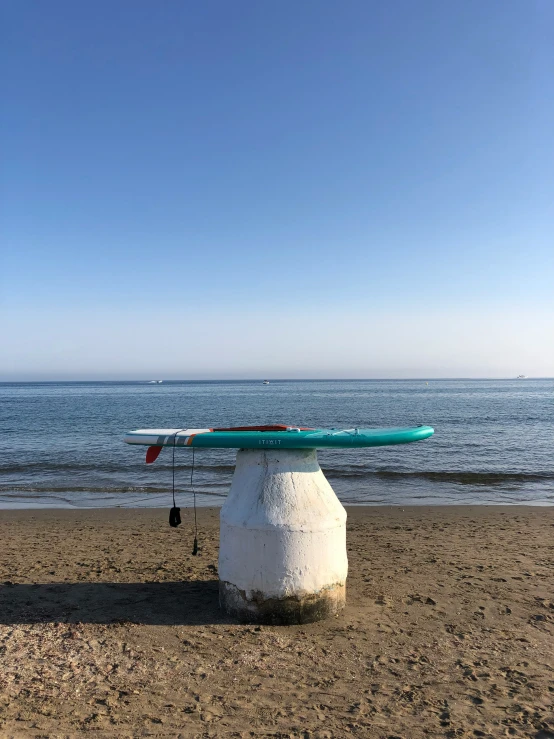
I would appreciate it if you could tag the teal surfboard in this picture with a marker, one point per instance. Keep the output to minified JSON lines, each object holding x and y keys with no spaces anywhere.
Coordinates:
{"x":275,"y":437}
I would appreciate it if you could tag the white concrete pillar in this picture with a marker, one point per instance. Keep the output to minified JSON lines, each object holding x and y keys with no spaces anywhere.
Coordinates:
{"x":282,"y":552}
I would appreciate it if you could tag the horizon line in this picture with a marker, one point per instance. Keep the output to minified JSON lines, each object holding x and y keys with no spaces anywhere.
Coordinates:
{"x":425,"y":378}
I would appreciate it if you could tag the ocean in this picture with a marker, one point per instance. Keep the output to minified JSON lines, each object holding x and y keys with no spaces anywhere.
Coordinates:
{"x":61,"y":444}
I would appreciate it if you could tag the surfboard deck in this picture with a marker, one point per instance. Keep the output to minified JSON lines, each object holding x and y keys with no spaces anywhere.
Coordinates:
{"x":284,"y":438}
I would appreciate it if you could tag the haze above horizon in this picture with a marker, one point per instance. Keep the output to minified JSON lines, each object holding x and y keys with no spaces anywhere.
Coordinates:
{"x":302,"y":190}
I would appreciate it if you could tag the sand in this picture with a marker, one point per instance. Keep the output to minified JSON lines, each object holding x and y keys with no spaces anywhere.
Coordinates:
{"x":109,"y":627}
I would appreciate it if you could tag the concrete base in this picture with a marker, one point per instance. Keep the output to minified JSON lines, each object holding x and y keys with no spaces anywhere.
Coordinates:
{"x":282,"y":554}
{"x":281,"y":611}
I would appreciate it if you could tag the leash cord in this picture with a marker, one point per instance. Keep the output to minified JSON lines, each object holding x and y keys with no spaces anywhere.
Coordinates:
{"x":174,"y":515}
{"x":193,"y":493}
{"x":173,"y":469}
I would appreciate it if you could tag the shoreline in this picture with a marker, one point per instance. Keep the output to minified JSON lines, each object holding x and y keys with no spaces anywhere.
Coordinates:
{"x":110,"y":626}
{"x":347,"y":506}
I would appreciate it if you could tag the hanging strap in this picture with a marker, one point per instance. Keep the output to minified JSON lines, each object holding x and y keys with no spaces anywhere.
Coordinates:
{"x":175,"y":513}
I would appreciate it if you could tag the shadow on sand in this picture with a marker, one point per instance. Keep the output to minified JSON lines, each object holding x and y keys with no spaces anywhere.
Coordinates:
{"x":192,"y":603}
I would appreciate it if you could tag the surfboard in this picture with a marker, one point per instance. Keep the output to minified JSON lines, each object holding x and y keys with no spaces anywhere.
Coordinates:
{"x":274,"y":437}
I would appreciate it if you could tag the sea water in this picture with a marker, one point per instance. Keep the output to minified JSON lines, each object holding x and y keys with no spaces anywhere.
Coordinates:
{"x":61,"y":444}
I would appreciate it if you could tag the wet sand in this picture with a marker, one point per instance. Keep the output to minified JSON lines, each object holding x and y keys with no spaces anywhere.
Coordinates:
{"x":110,"y":627}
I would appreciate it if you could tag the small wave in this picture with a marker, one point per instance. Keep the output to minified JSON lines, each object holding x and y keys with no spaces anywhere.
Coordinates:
{"x":66,"y":467}
{"x":458,"y":478}
{"x":28,"y":490}
{"x":56,"y":477}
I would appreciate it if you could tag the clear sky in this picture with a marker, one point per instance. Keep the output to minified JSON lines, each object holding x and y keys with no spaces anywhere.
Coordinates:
{"x":283,"y":189}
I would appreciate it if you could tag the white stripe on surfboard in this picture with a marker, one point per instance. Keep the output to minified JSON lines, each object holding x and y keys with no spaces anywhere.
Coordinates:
{"x":161,"y":437}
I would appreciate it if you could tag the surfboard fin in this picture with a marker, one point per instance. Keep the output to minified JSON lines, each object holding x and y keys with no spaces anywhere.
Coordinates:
{"x":152,"y":453}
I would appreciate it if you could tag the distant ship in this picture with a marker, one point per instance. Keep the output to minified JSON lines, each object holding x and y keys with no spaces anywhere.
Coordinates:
{"x":155,"y":382}
{"x":521,"y":377}
{"x":265,"y":382}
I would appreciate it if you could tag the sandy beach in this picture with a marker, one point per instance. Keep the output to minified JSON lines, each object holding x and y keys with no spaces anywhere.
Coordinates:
{"x":110,"y":627}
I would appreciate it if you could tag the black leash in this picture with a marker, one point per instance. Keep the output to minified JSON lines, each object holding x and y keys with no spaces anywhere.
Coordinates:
{"x":175,"y":513}
{"x":195,"y":545}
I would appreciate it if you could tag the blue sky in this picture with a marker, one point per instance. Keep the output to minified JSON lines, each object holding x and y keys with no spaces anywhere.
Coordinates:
{"x":288,"y":189}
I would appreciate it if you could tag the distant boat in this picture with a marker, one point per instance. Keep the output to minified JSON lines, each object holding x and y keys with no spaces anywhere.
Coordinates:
{"x":265,"y":382}
{"x":155,"y":382}
{"x":521,"y":377}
